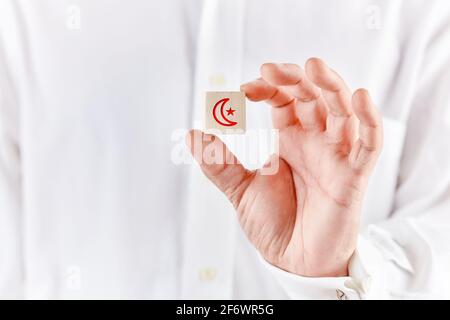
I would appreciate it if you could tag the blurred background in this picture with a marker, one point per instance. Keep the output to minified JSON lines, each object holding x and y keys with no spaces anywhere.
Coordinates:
{"x":97,"y":196}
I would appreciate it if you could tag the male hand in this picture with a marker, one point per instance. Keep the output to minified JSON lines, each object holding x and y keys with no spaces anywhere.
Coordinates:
{"x":304,"y":218}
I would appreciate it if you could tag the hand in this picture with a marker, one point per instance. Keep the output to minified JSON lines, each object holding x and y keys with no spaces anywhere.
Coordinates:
{"x":304,"y":218}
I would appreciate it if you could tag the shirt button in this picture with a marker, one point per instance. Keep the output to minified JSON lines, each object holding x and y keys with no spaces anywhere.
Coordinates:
{"x":341,"y":295}
{"x":217,"y":80}
{"x":207,"y":274}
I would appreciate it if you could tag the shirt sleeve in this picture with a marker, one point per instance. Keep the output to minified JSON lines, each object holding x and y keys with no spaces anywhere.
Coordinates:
{"x":365,"y":264}
{"x":408,"y":255}
{"x":11,"y":275}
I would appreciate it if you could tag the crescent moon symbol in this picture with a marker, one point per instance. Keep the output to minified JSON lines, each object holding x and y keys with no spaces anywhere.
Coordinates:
{"x":228,"y":122}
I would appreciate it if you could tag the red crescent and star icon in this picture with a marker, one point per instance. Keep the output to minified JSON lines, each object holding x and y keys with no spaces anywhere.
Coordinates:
{"x":222,"y":119}
{"x":225,"y":112}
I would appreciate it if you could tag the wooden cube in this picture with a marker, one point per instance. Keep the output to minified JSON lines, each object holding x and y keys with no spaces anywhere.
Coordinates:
{"x":225,"y":112}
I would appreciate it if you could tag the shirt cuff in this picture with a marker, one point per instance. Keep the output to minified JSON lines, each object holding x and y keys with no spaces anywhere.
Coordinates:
{"x":365,"y":280}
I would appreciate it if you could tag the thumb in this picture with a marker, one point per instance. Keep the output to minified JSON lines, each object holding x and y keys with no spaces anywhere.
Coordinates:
{"x":219,"y":164}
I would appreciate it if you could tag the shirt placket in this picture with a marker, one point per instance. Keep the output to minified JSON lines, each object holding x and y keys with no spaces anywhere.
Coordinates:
{"x":209,"y":238}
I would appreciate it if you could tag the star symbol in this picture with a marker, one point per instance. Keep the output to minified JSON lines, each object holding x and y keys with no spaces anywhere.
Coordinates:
{"x":230,"y":112}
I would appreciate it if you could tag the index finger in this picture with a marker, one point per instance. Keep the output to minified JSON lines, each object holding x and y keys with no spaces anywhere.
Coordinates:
{"x":293,"y":78}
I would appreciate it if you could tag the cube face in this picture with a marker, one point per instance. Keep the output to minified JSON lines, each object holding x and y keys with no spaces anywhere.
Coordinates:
{"x":225,"y":112}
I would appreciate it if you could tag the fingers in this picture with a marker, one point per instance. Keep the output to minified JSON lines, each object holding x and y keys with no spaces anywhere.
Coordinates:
{"x":334,"y":90}
{"x":315,"y":99}
{"x":283,"y":112}
{"x":310,"y":108}
{"x":219,"y":164}
{"x":340,"y":123}
{"x":293,"y":78}
{"x":366,"y":150}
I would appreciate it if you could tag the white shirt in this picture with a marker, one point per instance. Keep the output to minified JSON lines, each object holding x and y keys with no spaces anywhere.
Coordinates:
{"x":94,"y":202}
